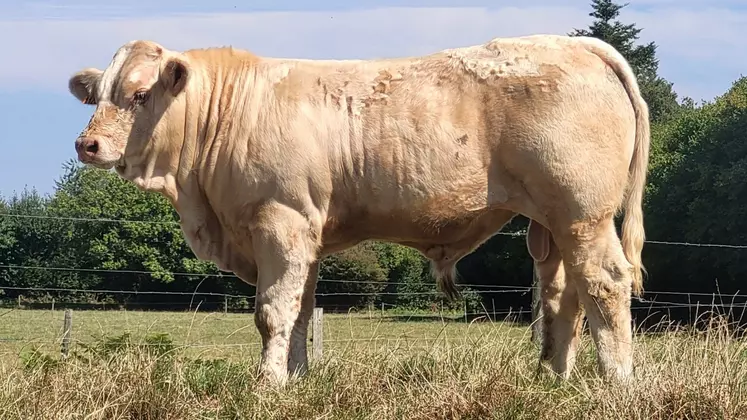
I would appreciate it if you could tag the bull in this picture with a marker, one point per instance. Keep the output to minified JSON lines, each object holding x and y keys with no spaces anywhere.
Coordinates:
{"x":273,"y":164}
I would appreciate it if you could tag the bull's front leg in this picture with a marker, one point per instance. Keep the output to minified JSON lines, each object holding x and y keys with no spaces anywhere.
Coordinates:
{"x":285,"y":252}
{"x":298,"y":359}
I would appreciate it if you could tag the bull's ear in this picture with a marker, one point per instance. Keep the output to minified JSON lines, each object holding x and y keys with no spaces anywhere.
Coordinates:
{"x":174,"y":75}
{"x":83,"y":85}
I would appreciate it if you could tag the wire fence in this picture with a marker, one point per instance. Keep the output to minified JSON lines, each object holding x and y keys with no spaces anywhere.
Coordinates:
{"x":175,"y":223}
{"x":18,"y":326}
{"x":227,"y":334}
{"x":208,"y":275}
{"x":230,"y":334}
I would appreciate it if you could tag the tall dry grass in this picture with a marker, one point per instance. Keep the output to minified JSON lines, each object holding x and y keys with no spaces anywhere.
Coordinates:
{"x":679,"y":375}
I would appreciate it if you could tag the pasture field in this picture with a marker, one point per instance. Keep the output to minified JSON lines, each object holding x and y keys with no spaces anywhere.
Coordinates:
{"x":186,"y":365}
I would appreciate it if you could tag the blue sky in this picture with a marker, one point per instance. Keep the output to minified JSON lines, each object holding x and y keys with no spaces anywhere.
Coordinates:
{"x":702,"y":48}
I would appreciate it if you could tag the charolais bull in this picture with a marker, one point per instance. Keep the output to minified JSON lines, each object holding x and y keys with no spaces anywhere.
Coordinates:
{"x":272,"y":164}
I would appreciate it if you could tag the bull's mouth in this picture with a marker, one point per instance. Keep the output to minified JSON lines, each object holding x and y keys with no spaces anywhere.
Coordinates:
{"x":120,"y":167}
{"x":106,"y":165}
{"x":103,"y":164}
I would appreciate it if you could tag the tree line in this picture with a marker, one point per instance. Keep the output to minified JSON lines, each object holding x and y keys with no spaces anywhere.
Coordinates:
{"x":695,"y":194}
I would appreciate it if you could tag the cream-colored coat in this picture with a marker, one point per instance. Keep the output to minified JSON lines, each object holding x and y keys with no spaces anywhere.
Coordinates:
{"x":274,"y":163}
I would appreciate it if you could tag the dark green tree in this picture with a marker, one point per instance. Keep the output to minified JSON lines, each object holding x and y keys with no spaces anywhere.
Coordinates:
{"x":658,"y":92}
{"x":28,"y":240}
{"x":696,"y":194}
{"x":351,"y":278}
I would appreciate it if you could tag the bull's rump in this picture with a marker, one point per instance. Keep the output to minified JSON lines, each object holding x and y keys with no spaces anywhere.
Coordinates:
{"x":516,"y":122}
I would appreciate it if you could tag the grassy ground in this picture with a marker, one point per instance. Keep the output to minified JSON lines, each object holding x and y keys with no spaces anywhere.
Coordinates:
{"x":232,"y":336}
{"x":373,"y":368}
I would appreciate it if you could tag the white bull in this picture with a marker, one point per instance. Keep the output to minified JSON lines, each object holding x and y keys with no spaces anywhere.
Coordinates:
{"x":274,"y":163}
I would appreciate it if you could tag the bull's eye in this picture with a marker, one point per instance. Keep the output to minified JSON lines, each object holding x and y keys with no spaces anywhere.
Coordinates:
{"x":140,"y":97}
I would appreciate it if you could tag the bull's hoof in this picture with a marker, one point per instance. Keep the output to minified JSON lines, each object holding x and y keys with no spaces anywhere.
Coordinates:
{"x":270,"y":377}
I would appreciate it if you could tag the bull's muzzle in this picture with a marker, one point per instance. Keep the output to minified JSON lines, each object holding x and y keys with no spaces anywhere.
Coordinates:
{"x":86,"y":147}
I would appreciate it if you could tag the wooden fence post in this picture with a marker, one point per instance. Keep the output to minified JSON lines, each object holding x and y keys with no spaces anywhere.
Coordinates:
{"x":67,"y":329}
{"x":317,"y":341}
{"x":536,"y":307}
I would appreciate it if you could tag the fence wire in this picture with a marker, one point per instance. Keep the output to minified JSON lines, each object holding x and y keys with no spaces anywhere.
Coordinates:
{"x":175,"y":223}
{"x":227,"y":333}
{"x":17,"y":327}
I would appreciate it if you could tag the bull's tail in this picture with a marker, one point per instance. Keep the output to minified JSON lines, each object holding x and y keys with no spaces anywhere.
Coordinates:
{"x":633,"y":234}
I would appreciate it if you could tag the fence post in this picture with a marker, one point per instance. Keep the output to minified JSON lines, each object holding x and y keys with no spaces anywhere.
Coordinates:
{"x":67,"y":329}
{"x":317,"y":329}
{"x":536,"y":307}
{"x":225,"y":305}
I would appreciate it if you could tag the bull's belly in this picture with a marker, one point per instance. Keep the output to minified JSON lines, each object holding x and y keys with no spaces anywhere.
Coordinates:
{"x":455,"y":234}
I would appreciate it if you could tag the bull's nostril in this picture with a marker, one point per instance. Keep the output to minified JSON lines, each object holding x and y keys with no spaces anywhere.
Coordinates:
{"x":92,"y":147}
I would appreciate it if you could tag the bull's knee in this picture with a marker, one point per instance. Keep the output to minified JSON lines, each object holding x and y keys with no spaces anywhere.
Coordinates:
{"x":607,"y":281}
{"x":266,"y":320}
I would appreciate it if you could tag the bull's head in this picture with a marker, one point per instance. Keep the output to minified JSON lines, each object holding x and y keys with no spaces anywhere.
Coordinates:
{"x":131,"y":97}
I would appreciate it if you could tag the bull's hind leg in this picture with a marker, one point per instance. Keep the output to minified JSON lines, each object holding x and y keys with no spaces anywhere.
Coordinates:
{"x":562,"y":315}
{"x":285,"y":252}
{"x":594,"y":260}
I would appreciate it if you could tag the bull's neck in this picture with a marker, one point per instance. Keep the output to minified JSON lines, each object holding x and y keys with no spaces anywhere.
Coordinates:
{"x":218,"y":97}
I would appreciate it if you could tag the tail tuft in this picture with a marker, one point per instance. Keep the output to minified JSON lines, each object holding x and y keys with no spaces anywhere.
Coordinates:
{"x":446,"y":280}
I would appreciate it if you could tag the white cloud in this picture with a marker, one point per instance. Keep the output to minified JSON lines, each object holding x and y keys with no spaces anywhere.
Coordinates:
{"x":45,"y":52}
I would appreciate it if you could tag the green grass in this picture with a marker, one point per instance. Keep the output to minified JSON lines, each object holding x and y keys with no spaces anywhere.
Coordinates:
{"x":373,"y":368}
{"x":232,"y":336}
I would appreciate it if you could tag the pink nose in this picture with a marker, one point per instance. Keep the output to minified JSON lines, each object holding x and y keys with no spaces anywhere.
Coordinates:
{"x":87,"y":148}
